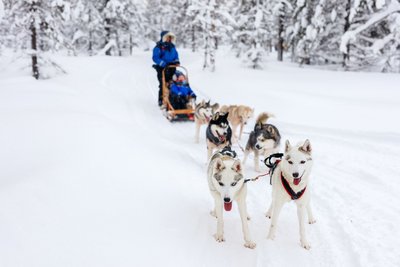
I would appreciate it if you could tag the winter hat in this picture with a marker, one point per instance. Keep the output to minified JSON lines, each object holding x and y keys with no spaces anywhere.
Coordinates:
{"x":165,"y":34}
{"x":177,"y":75}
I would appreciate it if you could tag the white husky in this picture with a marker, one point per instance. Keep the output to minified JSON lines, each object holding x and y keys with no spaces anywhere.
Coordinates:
{"x":290,"y":182}
{"x":226,"y":183}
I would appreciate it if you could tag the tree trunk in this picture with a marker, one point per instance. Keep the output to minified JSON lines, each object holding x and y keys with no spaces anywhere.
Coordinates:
{"x":280,"y":39}
{"x":107,"y":27}
{"x":90,"y":48}
{"x":193,"y":38}
{"x":130,"y":44}
{"x":35,"y":66}
{"x":206,"y":48}
{"x":346,"y":56}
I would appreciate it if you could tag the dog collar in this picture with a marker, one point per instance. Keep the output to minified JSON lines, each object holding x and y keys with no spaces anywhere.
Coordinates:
{"x":290,"y":191}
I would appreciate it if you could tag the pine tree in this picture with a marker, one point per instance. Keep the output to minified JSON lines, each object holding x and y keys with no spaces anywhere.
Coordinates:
{"x":373,"y":28}
{"x":251,"y":32}
{"x":37,"y":30}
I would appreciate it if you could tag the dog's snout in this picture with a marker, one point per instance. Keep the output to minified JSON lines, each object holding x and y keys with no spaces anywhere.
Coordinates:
{"x":258,"y":146}
{"x":227,"y":199}
{"x":295,"y":174}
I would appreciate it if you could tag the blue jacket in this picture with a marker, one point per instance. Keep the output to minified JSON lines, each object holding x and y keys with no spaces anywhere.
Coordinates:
{"x":165,"y":53}
{"x":182,"y":90}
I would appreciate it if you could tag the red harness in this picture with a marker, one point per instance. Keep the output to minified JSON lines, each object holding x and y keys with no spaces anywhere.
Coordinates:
{"x":293,"y":195}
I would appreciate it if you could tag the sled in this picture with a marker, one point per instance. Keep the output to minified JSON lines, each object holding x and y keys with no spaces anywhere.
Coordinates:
{"x":169,"y":111}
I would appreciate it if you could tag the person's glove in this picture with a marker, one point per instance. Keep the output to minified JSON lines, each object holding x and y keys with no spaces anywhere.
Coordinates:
{"x":162,"y":64}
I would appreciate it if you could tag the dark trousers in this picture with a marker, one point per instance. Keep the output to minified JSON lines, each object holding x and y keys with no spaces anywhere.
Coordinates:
{"x":168,"y":76}
{"x":178,"y":102}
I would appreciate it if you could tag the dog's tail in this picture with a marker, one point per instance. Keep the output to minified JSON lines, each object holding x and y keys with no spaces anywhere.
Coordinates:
{"x":263,"y":117}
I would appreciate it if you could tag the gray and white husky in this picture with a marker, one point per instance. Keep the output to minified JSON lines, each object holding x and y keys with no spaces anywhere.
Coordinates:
{"x":202,"y":115}
{"x":263,"y":140}
{"x":226,"y":183}
{"x":290,"y":181}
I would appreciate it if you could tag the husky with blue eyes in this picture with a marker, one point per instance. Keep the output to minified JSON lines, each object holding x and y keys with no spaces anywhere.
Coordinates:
{"x":290,"y":181}
{"x":226,"y":183}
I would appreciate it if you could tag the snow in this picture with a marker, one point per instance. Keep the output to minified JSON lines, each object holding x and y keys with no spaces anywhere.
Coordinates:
{"x":1,"y":9}
{"x":380,"y":44}
{"x":91,"y":174}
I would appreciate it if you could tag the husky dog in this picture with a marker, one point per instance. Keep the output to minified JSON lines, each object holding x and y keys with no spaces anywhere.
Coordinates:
{"x":263,"y":140}
{"x":202,"y":115}
{"x":238,"y":116}
{"x":218,"y":133}
{"x":290,"y":182}
{"x":226,"y":183}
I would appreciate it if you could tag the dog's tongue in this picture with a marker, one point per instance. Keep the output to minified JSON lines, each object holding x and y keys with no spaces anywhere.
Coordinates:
{"x":228,"y":206}
{"x":296,"y":181}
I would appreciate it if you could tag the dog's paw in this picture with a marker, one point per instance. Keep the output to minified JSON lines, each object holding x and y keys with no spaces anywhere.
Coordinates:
{"x":213,"y":213}
{"x":268,"y":215}
{"x":305,"y":245}
{"x":271,"y":236}
{"x":250,"y":244}
{"x":219,"y":238}
{"x":312,"y":221}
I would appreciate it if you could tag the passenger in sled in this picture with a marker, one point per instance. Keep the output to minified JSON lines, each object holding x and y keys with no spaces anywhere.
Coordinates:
{"x":181,"y":96}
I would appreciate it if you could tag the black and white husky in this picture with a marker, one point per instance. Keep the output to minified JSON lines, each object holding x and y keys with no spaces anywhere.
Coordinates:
{"x":290,"y":181}
{"x":226,"y":183}
{"x":218,"y":133}
{"x":263,"y":140}
{"x":202,"y":115}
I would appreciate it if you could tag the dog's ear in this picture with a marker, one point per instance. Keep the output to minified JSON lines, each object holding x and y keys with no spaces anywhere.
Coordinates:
{"x":287,"y":146}
{"x":202,"y":102}
{"x":215,"y":116}
{"x":215,"y":107}
{"x":306,"y":147}
{"x":271,"y":130}
{"x":208,"y":102}
{"x":258,"y":126}
{"x":218,"y":165}
{"x":237,"y":166}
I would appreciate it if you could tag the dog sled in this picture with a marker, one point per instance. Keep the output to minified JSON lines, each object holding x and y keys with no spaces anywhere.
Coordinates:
{"x":184,"y":111}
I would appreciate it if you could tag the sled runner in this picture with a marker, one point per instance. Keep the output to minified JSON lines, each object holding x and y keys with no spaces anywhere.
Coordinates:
{"x":177,"y":106}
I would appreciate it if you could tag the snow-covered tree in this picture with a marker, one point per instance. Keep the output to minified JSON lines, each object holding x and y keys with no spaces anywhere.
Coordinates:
{"x":281,"y":17}
{"x":374,"y":28}
{"x":303,"y":32}
{"x":37,"y":30}
{"x":86,"y":28}
{"x":252,"y":31}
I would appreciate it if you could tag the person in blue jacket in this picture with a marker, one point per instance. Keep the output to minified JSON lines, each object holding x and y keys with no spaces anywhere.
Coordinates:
{"x":164,"y":54}
{"x":180,"y":91}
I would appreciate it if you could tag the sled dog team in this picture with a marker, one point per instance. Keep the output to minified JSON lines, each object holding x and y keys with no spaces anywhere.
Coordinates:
{"x":289,"y":177}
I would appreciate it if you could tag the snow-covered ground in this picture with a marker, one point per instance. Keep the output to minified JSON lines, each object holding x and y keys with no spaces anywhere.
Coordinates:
{"x":91,"y":174}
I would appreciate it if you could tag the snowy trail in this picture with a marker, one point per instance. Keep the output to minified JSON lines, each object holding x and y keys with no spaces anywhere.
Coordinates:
{"x":106,"y":180}
{"x":335,"y":225}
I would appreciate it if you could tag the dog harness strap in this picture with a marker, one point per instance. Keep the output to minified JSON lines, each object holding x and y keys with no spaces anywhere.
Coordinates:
{"x":290,"y":191}
{"x":271,"y":171}
{"x":272,"y":166}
